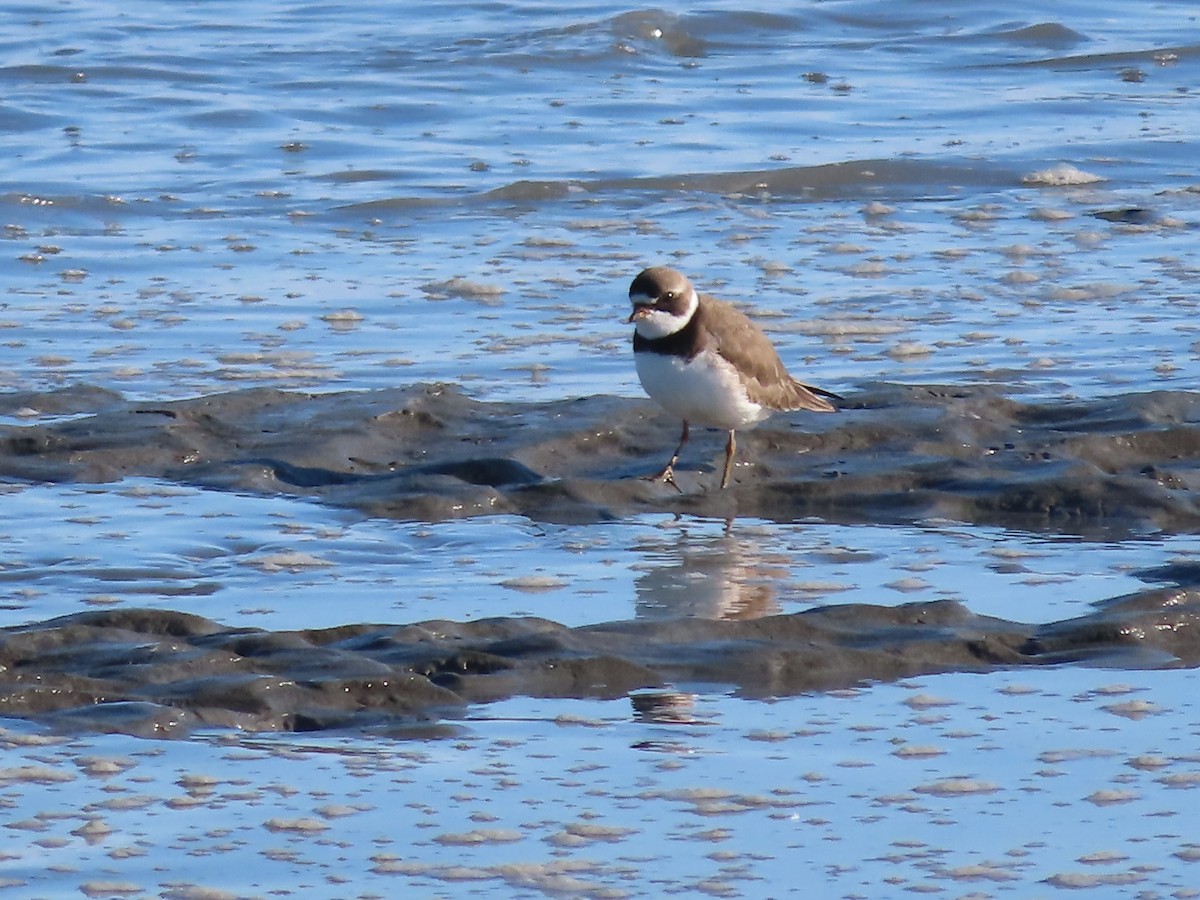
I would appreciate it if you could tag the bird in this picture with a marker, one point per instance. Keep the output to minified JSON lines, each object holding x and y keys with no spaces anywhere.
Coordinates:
{"x":706,"y":362}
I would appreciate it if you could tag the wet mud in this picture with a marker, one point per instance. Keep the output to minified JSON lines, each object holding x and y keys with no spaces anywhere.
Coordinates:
{"x":428,"y":452}
{"x":163,"y":673}
{"x":893,"y":454}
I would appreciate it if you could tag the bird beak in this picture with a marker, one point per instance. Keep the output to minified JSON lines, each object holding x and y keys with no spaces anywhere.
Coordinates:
{"x":639,"y":312}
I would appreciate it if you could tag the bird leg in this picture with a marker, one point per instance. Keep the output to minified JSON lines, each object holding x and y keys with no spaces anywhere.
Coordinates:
{"x":667,"y":475}
{"x":730,"y":450}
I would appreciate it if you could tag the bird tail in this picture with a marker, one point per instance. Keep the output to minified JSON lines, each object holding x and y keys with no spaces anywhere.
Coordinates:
{"x":816,"y":399}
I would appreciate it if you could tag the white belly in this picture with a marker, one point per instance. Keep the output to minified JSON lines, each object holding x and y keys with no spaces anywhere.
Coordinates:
{"x":704,"y":391}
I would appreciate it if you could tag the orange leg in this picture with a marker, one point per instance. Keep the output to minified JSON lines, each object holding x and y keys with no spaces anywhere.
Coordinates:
{"x":730,"y":450}
{"x":668,"y":474}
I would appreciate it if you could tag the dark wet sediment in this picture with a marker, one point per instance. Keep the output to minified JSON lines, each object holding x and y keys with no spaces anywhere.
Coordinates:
{"x":164,"y":673}
{"x":1123,"y":465}
{"x":429,"y":452}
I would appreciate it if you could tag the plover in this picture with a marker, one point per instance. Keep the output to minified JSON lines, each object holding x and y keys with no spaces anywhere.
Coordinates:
{"x":704,"y":361}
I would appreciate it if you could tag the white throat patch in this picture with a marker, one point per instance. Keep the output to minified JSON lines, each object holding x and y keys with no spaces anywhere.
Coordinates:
{"x":657,"y":323}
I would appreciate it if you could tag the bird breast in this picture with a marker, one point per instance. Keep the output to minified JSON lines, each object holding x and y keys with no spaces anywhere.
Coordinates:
{"x":705,"y":390}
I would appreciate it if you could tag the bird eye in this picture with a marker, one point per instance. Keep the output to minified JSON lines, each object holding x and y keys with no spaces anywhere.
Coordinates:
{"x":669,"y":295}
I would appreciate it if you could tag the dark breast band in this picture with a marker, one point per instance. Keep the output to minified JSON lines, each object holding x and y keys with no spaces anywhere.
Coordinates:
{"x":685,"y":343}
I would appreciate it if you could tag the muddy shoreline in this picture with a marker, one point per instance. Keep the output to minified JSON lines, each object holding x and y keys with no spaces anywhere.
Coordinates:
{"x":1121,"y":466}
{"x":893,"y":454}
{"x":159,"y":673}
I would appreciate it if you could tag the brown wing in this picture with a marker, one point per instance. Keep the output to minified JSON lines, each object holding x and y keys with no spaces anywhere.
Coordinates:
{"x":743,"y":343}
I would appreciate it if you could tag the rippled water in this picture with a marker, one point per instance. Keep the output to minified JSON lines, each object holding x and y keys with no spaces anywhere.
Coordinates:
{"x":320,"y":196}
{"x":960,"y":785}
{"x":277,"y":563}
{"x":328,"y":195}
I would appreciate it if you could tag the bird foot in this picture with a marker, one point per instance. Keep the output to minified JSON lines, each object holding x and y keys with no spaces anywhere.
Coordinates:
{"x":666,"y":476}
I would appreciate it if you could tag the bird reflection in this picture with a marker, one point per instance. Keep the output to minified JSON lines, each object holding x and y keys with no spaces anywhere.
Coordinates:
{"x":710,"y":577}
{"x":664,"y":707}
{"x":721,"y":576}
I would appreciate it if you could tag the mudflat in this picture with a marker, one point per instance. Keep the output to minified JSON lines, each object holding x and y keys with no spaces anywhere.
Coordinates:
{"x":895,"y":453}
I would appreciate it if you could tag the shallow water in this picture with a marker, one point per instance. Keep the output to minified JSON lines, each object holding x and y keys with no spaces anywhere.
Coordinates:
{"x":329,"y":196}
{"x":278,"y":564}
{"x":335,"y":196}
{"x":961,"y":784}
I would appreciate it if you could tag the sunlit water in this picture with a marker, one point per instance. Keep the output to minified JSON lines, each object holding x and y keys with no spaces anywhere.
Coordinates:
{"x":351,"y":196}
{"x":338,"y":196}
{"x":960,"y":785}
{"x":281,"y":564}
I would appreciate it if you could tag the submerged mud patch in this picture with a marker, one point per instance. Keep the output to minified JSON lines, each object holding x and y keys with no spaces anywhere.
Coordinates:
{"x":429,"y":452}
{"x":162,"y":673}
